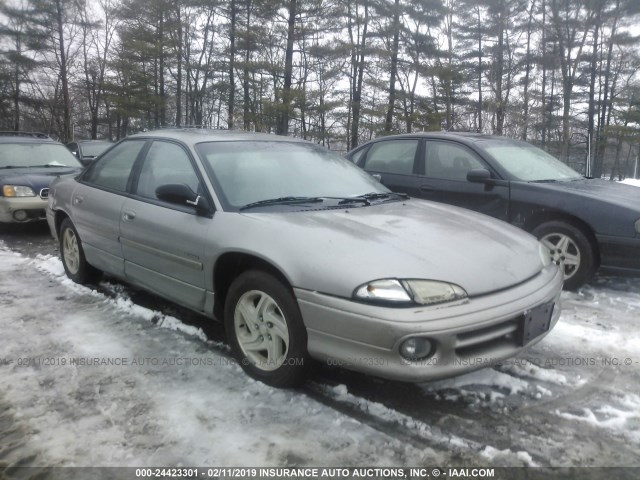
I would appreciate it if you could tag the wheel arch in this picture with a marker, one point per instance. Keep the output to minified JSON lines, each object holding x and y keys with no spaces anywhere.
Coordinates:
{"x":59,"y":217}
{"x":232,"y":264}
{"x":544,"y":216}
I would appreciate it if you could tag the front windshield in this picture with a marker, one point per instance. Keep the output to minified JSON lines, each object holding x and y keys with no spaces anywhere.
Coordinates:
{"x":251,"y":171}
{"x":21,"y":155}
{"x":528,"y":163}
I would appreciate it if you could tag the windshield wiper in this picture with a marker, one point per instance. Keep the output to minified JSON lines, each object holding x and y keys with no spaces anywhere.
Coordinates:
{"x":367,"y":197}
{"x":282,"y":201}
{"x":548,"y":180}
{"x":50,"y":165}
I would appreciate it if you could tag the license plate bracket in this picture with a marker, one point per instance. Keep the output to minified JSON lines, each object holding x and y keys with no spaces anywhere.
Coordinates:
{"x":535,"y":322}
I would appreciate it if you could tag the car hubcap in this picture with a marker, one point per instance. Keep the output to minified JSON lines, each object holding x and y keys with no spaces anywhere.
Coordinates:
{"x":564,"y":251}
{"x":261,"y":330}
{"x":70,"y":251}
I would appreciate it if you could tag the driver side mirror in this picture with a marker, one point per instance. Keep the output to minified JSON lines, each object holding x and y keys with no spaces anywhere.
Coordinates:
{"x":181,"y":194}
{"x":479,"y":175}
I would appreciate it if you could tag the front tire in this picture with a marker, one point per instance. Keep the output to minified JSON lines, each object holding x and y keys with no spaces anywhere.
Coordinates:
{"x":265,"y":329}
{"x":570,"y":249}
{"x":72,"y":254}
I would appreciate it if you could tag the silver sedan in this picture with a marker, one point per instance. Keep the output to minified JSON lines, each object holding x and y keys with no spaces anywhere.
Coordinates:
{"x":303,"y":255}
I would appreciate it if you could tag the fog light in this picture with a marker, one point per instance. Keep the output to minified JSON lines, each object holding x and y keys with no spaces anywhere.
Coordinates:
{"x":416,"y":348}
{"x":20,"y":215}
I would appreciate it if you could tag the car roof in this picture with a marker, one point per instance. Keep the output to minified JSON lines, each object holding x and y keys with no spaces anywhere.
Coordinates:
{"x":465,"y":135}
{"x":25,"y":137}
{"x":468,"y":138}
{"x":199,"y":135}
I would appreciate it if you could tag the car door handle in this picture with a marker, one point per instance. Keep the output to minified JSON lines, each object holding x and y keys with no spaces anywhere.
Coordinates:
{"x":426,"y":189}
{"x":78,"y":199}
{"x":128,"y":215}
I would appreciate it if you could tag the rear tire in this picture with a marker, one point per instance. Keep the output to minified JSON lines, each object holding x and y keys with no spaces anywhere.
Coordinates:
{"x":571,"y":249}
{"x":265,"y":329}
{"x":72,"y":255}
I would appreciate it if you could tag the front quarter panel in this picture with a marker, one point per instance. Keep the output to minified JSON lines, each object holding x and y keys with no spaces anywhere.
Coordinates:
{"x":529,"y":201}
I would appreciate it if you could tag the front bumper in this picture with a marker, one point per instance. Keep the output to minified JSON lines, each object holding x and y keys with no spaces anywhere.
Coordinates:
{"x":469,"y":336}
{"x":33,"y":206}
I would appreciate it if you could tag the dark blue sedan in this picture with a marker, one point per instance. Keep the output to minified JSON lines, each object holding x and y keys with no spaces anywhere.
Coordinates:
{"x":28,"y":164}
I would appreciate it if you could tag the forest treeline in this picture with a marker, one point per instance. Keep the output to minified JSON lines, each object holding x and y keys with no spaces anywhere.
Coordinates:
{"x":562,"y":74}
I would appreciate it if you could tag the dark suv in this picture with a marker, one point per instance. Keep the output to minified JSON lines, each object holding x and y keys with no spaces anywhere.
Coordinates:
{"x":28,"y":163}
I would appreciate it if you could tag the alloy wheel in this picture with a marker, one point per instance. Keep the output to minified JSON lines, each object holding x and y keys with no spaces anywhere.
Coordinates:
{"x":70,"y":251}
{"x":564,"y":251}
{"x":261,"y":330}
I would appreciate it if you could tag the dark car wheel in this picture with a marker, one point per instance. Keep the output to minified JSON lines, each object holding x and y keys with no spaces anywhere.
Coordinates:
{"x":265,"y":329}
{"x":569,"y":248}
{"x":73,"y":259}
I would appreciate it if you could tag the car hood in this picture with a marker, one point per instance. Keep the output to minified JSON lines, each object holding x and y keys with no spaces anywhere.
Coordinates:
{"x":627,"y":196}
{"x":34,"y":177}
{"x":334,"y":251}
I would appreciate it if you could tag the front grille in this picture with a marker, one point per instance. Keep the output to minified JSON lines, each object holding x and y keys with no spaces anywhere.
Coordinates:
{"x":513,"y":333}
{"x":44,"y":193}
{"x":483,"y":340}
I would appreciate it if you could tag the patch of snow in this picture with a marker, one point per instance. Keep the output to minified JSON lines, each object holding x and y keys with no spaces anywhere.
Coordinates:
{"x":492,"y":454}
{"x":53,"y":266}
{"x":623,"y":419}
{"x":575,"y":333}
{"x":631,"y":181}
{"x":486,"y":377}
{"x":524,"y":368}
{"x":526,"y":458}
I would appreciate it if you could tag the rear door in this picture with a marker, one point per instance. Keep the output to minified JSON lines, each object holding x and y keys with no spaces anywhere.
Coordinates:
{"x":163,"y":243}
{"x":96,"y":204}
{"x":394,"y":160}
{"x":442,"y":177}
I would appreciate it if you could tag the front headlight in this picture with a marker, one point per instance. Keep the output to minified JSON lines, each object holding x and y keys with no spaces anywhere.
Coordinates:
{"x":388,"y":290}
{"x":17,"y":191}
{"x":409,"y":292}
{"x":638,"y":225}
{"x":545,"y":254}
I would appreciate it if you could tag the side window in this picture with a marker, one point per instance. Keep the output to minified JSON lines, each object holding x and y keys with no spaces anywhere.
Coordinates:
{"x":449,"y":161}
{"x":392,"y":156}
{"x":113,"y":170}
{"x":165,"y":163}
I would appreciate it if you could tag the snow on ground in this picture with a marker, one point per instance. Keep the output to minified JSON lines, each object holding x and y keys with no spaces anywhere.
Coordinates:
{"x":616,"y":419}
{"x":166,"y":399}
{"x":179,"y":400}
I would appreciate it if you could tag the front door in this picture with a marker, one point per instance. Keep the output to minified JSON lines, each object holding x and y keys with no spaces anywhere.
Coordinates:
{"x":443,"y":178}
{"x":163,"y":243}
